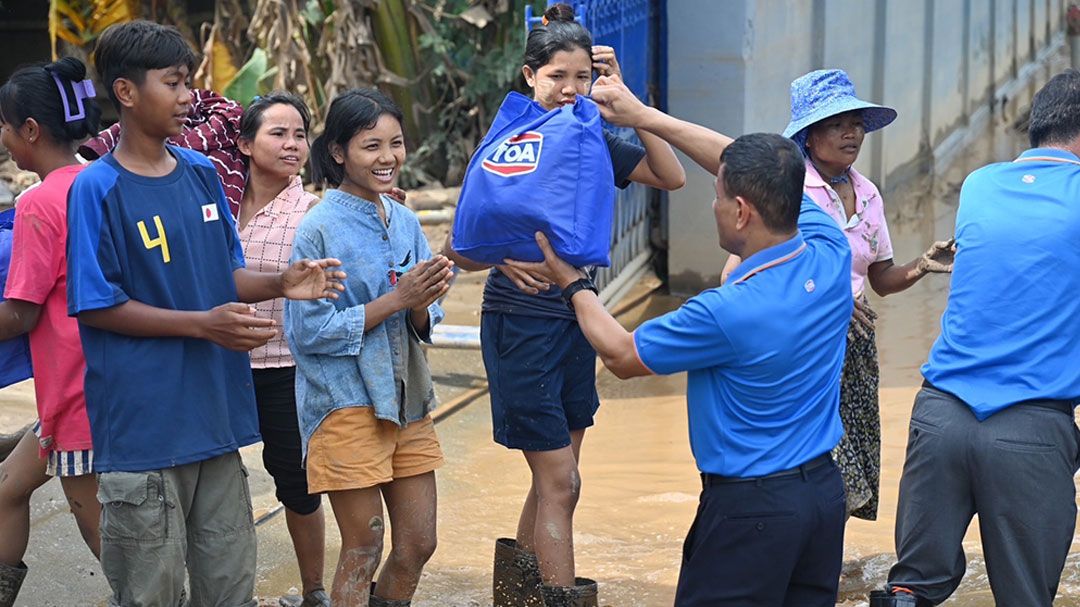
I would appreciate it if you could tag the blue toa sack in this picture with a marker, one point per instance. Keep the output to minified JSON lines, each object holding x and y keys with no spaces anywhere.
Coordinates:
{"x":538,"y":170}
{"x":14,"y":352}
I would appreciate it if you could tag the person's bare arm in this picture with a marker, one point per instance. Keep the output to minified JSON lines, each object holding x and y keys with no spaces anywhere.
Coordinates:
{"x":17,"y":317}
{"x":232,"y":325}
{"x":660,"y":168}
{"x":887,"y":278}
{"x":305,"y":279}
{"x":612,"y":342}
{"x":618,"y":105}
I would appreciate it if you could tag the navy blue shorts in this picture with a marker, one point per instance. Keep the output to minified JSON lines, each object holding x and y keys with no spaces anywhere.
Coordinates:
{"x":542,"y":379}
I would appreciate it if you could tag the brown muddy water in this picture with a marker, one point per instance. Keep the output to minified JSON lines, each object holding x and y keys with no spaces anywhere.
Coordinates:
{"x":640,"y":486}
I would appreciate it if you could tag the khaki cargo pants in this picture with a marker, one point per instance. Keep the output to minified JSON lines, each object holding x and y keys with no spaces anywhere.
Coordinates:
{"x":196,"y":516}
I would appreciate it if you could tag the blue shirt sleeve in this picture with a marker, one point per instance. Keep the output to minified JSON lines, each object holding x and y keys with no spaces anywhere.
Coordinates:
{"x":318,"y":326}
{"x":816,"y":223}
{"x":94,"y":276}
{"x":687,"y":339}
{"x":625,"y":157}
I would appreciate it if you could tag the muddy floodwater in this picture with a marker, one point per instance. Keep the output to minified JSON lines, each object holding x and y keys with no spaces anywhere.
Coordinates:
{"x":640,"y":487}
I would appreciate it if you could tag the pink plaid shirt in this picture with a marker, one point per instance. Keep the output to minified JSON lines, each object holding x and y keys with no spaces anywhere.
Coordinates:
{"x":866,"y":231}
{"x":267,"y":240}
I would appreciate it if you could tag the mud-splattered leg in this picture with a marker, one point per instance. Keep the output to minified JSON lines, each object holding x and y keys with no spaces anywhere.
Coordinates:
{"x":81,"y":493}
{"x":411,"y":503}
{"x":21,"y":473}
{"x":557,"y":485}
{"x":359,"y":517}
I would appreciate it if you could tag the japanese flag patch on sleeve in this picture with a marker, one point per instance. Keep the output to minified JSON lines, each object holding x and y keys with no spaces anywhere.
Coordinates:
{"x":210,"y":212}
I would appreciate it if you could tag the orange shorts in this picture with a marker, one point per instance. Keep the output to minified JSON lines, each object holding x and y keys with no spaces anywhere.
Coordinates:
{"x":352,"y":449}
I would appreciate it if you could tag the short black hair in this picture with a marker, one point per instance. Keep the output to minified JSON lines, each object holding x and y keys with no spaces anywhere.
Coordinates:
{"x":1055,"y":111}
{"x":561,"y":33}
{"x":350,"y":112}
{"x":767,"y":170}
{"x":128,"y":50}
{"x":32,"y":92}
{"x":252,"y":119}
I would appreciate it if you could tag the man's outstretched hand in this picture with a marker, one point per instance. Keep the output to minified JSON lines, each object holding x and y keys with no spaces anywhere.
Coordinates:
{"x":313,"y":279}
{"x":552,"y":269}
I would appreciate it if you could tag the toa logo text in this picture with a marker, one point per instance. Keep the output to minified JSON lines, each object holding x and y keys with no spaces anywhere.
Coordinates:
{"x":518,"y":155}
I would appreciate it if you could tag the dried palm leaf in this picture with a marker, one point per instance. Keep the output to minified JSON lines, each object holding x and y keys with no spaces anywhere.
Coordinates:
{"x":81,"y":21}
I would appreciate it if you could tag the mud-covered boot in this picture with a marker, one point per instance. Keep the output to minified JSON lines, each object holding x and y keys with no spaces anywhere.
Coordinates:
{"x":375,"y":601}
{"x":885,"y":598}
{"x":11,"y":579}
{"x":515,"y":580}
{"x":315,"y":598}
{"x":582,"y":594}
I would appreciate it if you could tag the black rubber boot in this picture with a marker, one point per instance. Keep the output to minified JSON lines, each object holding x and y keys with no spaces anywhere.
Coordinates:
{"x":515,"y":580}
{"x":11,"y":579}
{"x":374,"y":601}
{"x":884,"y":598}
{"x":582,"y":594}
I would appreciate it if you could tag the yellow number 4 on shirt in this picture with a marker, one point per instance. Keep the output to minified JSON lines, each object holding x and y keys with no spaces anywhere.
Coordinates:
{"x":160,"y":241}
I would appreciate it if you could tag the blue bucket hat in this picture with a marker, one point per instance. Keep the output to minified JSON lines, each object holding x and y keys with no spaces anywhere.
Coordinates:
{"x":823,"y":93}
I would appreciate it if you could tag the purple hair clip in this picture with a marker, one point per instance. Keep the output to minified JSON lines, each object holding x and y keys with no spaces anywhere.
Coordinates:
{"x":83,"y":90}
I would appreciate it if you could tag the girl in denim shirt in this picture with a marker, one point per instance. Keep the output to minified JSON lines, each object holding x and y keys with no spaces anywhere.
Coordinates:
{"x":364,"y":390}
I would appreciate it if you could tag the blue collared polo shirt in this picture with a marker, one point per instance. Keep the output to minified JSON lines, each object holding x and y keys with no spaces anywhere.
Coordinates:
{"x":764,"y":353}
{"x":1011,"y":329}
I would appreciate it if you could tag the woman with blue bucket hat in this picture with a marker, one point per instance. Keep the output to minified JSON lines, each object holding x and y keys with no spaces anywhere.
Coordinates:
{"x":829,"y":122}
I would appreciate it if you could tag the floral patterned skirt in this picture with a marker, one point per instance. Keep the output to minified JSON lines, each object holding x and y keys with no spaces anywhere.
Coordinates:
{"x":858,"y":455}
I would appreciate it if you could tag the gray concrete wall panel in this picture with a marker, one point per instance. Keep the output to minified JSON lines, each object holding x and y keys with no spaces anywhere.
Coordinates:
{"x":980,"y":54}
{"x":949,"y":67}
{"x":1024,"y":32}
{"x":903,"y":81}
{"x":948,"y":58}
{"x":1004,"y":41}
{"x":707,"y":85}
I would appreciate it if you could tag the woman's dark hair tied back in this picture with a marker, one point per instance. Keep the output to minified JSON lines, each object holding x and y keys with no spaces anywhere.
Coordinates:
{"x":559,"y":31}
{"x":252,"y":119}
{"x":559,"y":12}
{"x":350,"y":112}
{"x":52,"y":94}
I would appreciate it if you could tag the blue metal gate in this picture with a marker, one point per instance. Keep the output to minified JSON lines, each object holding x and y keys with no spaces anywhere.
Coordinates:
{"x":635,"y":29}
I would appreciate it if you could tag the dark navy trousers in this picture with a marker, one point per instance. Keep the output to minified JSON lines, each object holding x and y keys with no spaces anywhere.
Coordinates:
{"x":766,"y":542}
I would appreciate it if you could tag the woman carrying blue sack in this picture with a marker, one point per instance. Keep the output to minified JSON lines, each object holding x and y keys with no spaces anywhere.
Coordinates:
{"x":540,"y":369}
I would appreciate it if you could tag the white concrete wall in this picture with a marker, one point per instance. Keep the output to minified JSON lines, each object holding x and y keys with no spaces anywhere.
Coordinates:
{"x":947,"y":66}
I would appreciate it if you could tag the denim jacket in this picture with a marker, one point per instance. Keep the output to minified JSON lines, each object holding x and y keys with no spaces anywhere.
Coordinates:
{"x":337,"y":364}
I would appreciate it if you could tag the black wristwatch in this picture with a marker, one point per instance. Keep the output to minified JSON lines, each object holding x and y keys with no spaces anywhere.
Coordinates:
{"x":580,"y":284}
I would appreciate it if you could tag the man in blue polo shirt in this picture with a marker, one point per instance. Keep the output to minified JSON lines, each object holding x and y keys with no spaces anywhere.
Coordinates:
{"x":764,"y":355}
{"x":992,"y":430}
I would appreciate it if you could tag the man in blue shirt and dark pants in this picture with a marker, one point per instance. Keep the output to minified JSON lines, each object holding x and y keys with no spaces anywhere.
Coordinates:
{"x":764,"y":355}
{"x":992,"y":430}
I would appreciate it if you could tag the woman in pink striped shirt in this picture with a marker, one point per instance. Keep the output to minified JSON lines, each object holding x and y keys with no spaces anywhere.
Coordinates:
{"x":273,"y":139}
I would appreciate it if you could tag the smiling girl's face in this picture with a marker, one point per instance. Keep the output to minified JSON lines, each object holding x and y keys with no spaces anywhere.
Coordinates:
{"x":561,"y":80}
{"x":373,"y":159}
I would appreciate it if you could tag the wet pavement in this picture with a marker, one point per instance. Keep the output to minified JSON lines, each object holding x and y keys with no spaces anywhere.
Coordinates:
{"x":639,"y":483}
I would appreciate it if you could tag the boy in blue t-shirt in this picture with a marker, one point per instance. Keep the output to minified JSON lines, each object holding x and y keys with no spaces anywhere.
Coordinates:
{"x":155,"y":271}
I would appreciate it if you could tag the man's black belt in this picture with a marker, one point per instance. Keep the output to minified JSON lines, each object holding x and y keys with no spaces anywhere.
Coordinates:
{"x":715,"y":479}
{"x":1064,"y":406}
